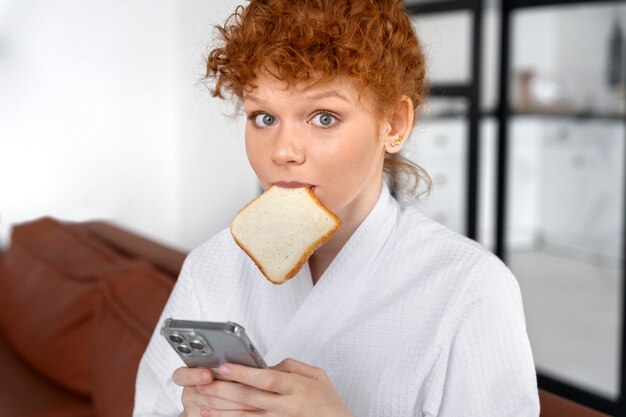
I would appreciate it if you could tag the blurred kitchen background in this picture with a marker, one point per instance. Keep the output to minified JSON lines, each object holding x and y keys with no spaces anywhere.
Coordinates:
{"x":558,"y":186}
{"x":103,"y":116}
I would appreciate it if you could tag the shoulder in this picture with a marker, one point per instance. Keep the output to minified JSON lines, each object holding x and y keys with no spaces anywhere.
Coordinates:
{"x":213,"y":278}
{"x":460,"y":270}
{"x":222,"y":240}
{"x":418,"y":227}
{"x":216,"y":263}
{"x":218,"y":251}
{"x":441,"y":248}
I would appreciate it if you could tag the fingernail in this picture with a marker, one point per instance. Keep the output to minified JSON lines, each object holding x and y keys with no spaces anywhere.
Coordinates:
{"x":205,"y":412}
{"x":225,"y":370}
{"x":206,"y":376}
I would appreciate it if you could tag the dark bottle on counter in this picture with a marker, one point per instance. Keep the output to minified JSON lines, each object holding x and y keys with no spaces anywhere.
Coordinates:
{"x":615,"y":69}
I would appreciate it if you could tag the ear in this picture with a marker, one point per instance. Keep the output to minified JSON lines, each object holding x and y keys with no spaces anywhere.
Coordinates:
{"x":397,"y":127}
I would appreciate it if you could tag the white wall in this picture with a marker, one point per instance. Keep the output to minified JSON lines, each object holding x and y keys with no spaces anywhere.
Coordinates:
{"x":101,"y":117}
{"x":216,"y":180}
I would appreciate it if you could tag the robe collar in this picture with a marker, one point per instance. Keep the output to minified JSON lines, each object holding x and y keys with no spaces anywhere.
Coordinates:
{"x":335,"y":292}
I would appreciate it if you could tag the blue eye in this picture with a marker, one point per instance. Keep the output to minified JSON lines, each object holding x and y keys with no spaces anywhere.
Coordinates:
{"x":324,"y":119}
{"x":264,"y":119}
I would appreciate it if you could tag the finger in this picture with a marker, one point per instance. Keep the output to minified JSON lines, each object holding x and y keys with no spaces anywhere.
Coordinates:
{"x":190,"y":402}
{"x":218,"y":403}
{"x":231,"y":413}
{"x":193,"y":399}
{"x":293,"y":366}
{"x":269,"y":380}
{"x":191,"y":412}
{"x":186,"y":377}
{"x":250,"y":397}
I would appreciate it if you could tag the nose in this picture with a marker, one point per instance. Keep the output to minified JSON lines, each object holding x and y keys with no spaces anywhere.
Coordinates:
{"x":288,"y":149}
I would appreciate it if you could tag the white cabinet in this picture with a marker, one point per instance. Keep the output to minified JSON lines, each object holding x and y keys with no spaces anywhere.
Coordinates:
{"x":582,"y":190}
{"x":440,"y":147}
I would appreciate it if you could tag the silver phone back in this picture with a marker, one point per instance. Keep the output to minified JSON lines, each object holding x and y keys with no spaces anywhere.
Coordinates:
{"x":210,"y":344}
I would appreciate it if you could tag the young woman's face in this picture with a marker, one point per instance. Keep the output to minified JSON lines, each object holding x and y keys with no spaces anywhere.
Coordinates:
{"x":321,"y":137}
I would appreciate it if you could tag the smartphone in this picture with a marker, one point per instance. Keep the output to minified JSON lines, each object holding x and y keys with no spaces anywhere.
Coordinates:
{"x":203,"y":344}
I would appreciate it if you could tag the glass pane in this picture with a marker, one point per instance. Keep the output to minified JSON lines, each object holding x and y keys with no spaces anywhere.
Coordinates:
{"x":418,"y":2}
{"x":440,"y":147}
{"x":487,"y":177}
{"x":446,"y":39}
{"x":443,"y":107}
{"x":566,"y":188}
{"x":565,"y":221}
{"x":563,"y":58}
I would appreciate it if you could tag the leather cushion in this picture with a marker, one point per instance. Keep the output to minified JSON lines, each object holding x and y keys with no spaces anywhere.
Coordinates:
{"x":553,"y":405}
{"x":136,"y":246}
{"x":25,"y":393}
{"x":47,"y":292}
{"x":129,"y":305}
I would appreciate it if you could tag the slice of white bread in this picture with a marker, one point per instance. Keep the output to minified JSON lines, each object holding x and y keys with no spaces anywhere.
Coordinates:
{"x":281,"y":228}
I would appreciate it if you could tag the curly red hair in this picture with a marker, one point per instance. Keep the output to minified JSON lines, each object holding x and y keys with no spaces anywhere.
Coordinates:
{"x":372,"y":42}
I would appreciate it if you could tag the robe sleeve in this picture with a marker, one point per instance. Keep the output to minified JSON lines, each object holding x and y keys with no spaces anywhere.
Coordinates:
{"x":156,"y":395}
{"x":485,"y":367}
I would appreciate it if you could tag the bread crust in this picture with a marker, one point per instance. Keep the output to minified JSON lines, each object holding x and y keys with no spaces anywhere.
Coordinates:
{"x":307,"y":252}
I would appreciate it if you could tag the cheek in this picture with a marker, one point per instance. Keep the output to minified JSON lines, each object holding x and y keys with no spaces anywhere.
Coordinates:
{"x":256,"y":156}
{"x":345,"y":166}
{"x":350,"y":163}
{"x":251,"y":152}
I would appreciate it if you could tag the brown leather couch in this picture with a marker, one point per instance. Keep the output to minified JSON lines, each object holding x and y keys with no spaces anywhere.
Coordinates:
{"x":78,"y":303}
{"x":553,"y":405}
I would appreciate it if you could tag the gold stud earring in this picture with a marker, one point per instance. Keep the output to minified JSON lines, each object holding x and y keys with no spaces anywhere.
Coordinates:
{"x":397,"y":141}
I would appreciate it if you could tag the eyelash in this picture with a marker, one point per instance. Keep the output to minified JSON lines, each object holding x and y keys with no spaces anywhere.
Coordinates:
{"x":252,"y":116}
{"x":337,"y":119}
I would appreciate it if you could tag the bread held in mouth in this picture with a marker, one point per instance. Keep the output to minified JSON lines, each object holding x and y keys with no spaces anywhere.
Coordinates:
{"x":281,"y":228}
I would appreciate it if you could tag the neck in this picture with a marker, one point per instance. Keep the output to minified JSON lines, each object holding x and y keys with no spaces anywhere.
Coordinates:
{"x":325,"y":254}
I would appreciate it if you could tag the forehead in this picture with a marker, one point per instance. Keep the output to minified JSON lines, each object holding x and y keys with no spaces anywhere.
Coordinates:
{"x":267,"y":86}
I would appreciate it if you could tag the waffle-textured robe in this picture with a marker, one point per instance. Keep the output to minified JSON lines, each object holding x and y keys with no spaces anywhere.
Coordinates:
{"x":410,"y":319}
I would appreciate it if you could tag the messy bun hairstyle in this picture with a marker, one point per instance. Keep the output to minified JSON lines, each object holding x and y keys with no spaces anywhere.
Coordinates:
{"x":370,"y":41}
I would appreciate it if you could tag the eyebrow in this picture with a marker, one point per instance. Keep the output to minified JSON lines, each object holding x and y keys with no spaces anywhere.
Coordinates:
{"x":327,"y":94}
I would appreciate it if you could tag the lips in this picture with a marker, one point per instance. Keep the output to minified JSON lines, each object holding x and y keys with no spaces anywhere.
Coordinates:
{"x":292,"y":184}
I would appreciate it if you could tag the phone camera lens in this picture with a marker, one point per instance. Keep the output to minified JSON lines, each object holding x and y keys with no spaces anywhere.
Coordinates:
{"x":184,"y":350}
{"x":176,"y":339}
{"x":196,"y":344}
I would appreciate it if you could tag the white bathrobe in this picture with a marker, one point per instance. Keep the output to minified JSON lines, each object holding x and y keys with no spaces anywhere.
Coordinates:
{"x":410,"y":319}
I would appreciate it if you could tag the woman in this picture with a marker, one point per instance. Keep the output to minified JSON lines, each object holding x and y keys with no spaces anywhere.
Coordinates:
{"x":395,"y":315}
